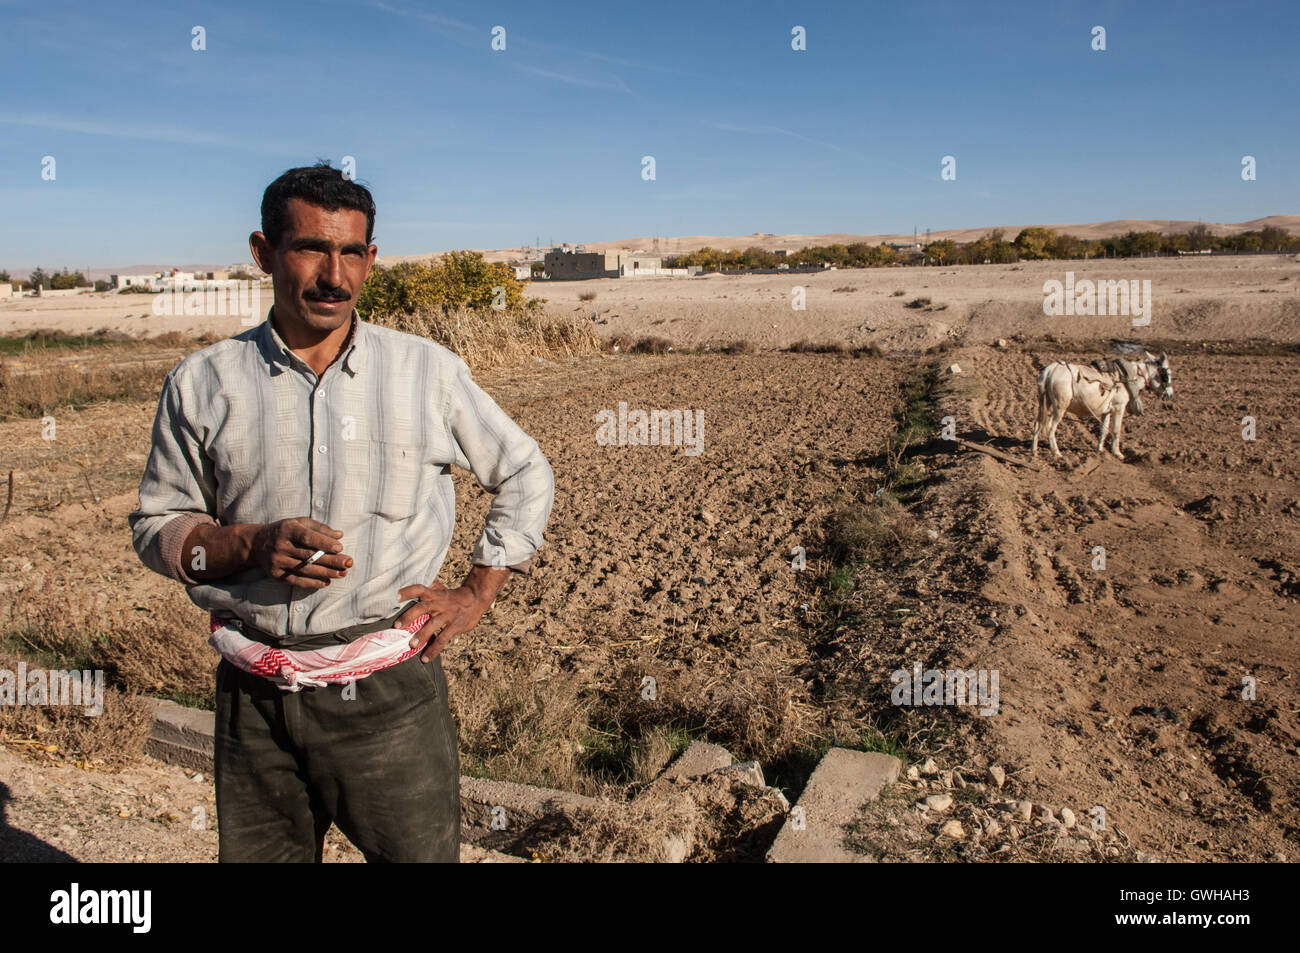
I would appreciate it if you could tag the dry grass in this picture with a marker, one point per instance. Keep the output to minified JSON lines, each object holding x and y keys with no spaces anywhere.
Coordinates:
{"x":159,"y":650}
{"x":883,"y":534}
{"x":604,"y":740}
{"x":115,"y":736}
{"x":498,"y":338}
{"x":739,"y":347}
{"x":61,"y":628}
{"x":652,"y":345}
{"x":811,"y":347}
{"x":44,"y":373}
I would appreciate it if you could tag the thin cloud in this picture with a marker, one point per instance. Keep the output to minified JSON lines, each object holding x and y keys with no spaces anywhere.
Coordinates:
{"x":169,"y":133}
{"x":435,"y":19}
{"x":635,"y":65}
{"x":778,"y":131}
{"x":618,"y":85}
{"x":475,"y":37}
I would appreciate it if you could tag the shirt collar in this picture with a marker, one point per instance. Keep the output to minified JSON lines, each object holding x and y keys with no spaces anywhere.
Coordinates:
{"x":277,"y":352}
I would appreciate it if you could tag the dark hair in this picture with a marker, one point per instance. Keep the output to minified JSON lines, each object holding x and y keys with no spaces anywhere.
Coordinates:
{"x":318,"y":185}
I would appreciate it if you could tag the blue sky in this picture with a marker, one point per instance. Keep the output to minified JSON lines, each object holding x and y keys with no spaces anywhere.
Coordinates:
{"x":162,"y":152}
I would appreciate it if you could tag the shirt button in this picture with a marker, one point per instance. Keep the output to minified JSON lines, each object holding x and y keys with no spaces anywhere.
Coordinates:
{"x":321,"y":448}
{"x":321,"y":504}
{"x":298,"y":607}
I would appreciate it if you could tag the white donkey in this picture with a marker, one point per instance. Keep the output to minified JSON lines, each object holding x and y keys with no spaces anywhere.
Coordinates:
{"x":1103,"y":392}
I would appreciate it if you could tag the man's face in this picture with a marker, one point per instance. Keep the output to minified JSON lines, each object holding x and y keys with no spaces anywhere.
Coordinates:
{"x":319,"y":266}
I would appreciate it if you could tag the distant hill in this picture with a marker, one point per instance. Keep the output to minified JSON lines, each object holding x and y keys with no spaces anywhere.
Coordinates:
{"x":769,"y":240}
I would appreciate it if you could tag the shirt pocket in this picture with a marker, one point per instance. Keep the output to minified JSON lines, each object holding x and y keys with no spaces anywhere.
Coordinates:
{"x":396,"y":479}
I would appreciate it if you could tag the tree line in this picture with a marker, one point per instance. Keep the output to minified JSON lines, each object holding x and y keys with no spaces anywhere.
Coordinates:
{"x":992,"y":248}
{"x":55,"y":281}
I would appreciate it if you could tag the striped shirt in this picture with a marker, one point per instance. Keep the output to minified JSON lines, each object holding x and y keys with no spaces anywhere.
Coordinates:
{"x":246,"y":432}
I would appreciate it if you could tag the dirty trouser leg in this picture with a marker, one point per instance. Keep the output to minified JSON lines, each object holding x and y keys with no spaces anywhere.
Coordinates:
{"x":380,"y":759}
{"x":385,"y":763}
{"x":265,"y":811}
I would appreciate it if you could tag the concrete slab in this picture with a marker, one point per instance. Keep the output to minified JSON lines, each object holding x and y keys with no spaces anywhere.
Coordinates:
{"x":842,"y":783}
{"x":699,"y":758}
{"x":504,"y":816}
{"x":182,"y":736}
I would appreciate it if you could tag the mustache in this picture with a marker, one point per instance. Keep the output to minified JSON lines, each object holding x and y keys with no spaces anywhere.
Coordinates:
{"x":326,"y":294}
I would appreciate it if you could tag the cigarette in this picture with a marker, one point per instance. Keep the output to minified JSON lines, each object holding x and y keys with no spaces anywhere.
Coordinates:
{"x":306,"y":562}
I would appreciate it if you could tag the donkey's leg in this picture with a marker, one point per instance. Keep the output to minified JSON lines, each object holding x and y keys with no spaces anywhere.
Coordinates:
{"x":1041,"y":421}
{"x":1053,"y":422}
{"x":1119,"y":424}
{"x":1105,"y":427}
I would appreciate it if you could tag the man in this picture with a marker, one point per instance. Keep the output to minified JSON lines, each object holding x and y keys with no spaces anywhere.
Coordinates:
{"x":299,"y":486}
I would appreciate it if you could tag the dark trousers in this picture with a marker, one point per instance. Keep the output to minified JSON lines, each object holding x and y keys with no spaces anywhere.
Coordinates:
{"x":382,"y":765}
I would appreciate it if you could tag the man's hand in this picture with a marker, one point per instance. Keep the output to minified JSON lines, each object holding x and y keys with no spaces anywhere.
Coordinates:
{"x":450,"y":611}
{"x":283,"y":548}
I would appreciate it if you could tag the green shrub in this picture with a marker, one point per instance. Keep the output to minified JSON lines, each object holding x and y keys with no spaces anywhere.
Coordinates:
{"x":460,"y":281}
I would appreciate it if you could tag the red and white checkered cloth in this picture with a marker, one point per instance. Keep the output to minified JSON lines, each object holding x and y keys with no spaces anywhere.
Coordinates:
{"x":336,"y":665}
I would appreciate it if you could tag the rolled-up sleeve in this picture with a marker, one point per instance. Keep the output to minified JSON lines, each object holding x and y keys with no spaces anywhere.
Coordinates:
{"x":178,"y":491}
{"x":507,"y":463}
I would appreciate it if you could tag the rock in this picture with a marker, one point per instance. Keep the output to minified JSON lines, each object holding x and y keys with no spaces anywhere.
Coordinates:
{"x":1067,"y":818}
{"x":958,"y":781}
{"x":708,"y":517}
{"x":1002,"y":342}
{"x":1145,"y":858}
{"x":1045,"y":815}
{"x":929,"y":768}
{"x":992,"y":828}
{"x":997,"y":775}
{"x":676,"y":848}
{"x":913,"y":774}
{"x":1025,"y":810}
{"x":945,"y":778}
{"x":954,"y":368}
{"x":953,"y":829}
{"x":938,"y":803}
